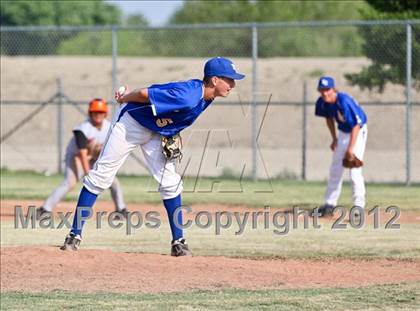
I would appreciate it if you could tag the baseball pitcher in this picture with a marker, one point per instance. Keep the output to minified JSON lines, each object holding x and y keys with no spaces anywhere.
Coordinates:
{"x":82,"y":152}
{"x":152,"y":118}
{"x":348,"y":146}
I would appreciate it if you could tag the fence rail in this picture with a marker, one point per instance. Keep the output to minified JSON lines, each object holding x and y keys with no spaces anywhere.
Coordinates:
{"x":226,"y":103}
{"x":214,"y":25}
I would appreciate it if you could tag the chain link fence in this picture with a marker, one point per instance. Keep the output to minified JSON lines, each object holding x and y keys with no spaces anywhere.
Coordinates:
{"x":265,"y":129}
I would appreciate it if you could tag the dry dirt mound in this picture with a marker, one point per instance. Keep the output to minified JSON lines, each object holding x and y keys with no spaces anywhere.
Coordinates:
{"x":40,"y":269}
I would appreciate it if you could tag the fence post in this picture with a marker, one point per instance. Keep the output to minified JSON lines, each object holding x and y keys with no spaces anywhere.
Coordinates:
{"x":254,"y":100}
{"x":408,"y":107}
{"x":60,"y":119}
{"x":304,"y":128}
{"x":114,"y":63}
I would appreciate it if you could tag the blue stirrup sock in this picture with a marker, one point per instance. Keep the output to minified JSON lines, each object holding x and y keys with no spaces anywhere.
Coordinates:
{"x":171,"y":206}
{"x":83,"y":210}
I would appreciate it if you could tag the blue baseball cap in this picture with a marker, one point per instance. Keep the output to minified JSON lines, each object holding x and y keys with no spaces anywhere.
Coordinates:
{"x":221,"y":67}
{"x":326,"y":83}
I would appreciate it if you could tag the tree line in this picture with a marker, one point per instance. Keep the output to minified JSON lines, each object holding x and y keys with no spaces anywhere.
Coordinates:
{"x":385,"y":46}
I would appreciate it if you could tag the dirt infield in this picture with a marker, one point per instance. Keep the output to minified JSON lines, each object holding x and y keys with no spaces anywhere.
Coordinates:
{"x":46,"y":268}
{"x":40,"y":269}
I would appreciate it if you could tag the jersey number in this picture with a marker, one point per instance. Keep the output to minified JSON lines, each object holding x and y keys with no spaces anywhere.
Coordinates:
{"x":163,"y":122}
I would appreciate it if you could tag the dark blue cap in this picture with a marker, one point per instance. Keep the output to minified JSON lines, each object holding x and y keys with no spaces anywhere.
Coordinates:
{"x":326,"y":83}
{"x":221,"y":67}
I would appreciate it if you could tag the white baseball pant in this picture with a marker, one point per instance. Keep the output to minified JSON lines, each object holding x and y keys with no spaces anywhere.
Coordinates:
{"x":125,"y":136}
{"x":73,"y":173}
{"x":335,"y":179}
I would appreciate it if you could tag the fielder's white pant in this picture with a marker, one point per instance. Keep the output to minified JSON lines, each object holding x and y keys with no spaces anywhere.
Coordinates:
{"x":124,"y":137}
{"x":73,"y":173}
{"x":335,"y":179}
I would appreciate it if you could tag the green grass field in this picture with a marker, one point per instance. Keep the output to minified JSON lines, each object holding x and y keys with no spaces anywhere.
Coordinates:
{"x":276,"y":193}
{"x":385,"y":297}
{"x":318,"y":244}
{"x":366,"y":243}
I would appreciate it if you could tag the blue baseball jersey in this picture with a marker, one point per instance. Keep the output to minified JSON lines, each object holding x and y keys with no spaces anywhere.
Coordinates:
{"x":172,"y":107}
{"x":346,"y":111}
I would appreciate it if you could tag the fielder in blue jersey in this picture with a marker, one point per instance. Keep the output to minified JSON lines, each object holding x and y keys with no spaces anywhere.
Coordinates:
{"x":152,"y":119}
{"x":341,"y":108}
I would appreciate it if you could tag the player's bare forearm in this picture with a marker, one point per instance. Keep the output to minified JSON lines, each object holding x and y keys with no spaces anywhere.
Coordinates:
{"x":83,"y":156}
{"x":331,"y":127}
{"x":353,"y":137}
{"x":137,"y":95}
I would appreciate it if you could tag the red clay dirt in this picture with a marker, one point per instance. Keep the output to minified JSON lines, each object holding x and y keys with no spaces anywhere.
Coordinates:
{"x":40,"y":269}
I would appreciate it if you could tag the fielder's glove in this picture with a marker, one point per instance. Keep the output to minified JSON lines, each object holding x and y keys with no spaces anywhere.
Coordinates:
{"x":94,"y":150}
{"x":351,"y":161}
{"x":171,"y":147}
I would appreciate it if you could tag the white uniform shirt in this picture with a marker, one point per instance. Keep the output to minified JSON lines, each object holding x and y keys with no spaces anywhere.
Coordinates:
{"x":92,"y":133}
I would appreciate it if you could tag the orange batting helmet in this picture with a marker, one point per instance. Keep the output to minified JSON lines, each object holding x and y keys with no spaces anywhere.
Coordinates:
{"x":98,"y":105}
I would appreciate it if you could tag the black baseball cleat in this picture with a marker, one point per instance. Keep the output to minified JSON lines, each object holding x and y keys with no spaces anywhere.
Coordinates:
{"x":72,"y":242}
{"x":123,"y":213}
{"x":180,"y":248}
{"x":326,"y":210}
{"x":356,"y":210}
{"x":357,"y":216}
{"x":41,"y":212}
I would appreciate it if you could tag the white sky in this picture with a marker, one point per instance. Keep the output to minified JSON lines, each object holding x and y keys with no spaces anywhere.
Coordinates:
{"x":156,"y":12}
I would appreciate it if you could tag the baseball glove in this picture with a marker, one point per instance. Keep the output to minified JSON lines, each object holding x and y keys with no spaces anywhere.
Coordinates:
{"x":171,"y":147}
{"x":94,"y":150}
{"x":351,"y":161}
